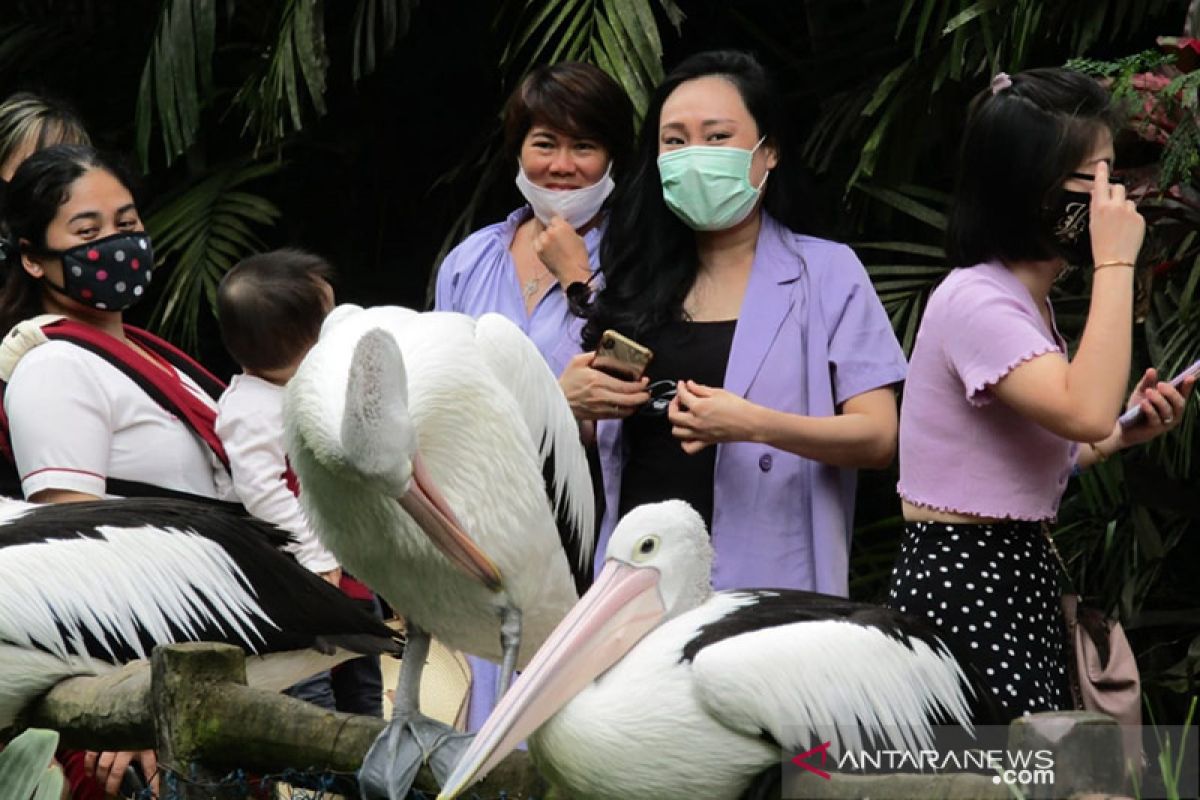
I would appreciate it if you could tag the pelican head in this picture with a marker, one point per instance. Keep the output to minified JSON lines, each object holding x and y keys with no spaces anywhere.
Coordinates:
{"x":658,"y":565}
{"x":365,"y":433}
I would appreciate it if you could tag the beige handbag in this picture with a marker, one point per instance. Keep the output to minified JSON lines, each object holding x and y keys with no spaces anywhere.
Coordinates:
{"x":1101,"y":666}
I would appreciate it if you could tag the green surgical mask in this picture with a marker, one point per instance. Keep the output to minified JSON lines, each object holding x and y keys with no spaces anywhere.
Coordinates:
{"x":708,"y":187}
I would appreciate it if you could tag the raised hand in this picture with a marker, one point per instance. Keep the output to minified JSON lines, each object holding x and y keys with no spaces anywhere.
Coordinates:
{"x":563,"y":252}
{"x":1116,"y":227}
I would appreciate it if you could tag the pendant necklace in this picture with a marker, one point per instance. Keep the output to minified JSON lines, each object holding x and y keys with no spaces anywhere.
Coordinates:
{"x":531,"y":286}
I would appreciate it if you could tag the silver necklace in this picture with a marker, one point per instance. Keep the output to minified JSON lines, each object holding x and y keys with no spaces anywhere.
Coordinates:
{"x":531,"y":286}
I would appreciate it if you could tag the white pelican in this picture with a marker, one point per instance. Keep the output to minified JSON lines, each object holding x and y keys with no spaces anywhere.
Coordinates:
{"x":87,"y":586}
{"x":654,"y":686}
{"x":440,"y":463}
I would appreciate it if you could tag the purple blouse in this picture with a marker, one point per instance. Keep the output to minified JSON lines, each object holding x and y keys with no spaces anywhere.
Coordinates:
{"x":960,"y":451}
{"x":811,"y":334}
{"x":479,"y":276}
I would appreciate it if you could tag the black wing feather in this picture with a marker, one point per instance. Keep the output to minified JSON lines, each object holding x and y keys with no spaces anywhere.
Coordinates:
{"x":306,"y":609}
{"x":581,"y":574}
{"x":774,"y":607}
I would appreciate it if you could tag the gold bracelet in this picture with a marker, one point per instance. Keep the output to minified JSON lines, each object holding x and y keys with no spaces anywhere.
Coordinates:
{"x":1104,"y":264}
{"x":1101,"y":456}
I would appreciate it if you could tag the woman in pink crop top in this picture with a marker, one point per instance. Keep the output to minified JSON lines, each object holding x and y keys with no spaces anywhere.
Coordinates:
{"x":995,"y":417}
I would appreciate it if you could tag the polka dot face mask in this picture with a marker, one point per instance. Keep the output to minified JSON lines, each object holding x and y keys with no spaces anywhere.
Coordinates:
{"x":109,"y":274}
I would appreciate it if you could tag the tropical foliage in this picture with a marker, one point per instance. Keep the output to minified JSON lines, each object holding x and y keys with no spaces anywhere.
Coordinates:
{"x":368,"y":130}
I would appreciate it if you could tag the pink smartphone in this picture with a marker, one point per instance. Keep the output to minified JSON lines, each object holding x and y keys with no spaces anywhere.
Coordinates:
{"x":1134,"y":415}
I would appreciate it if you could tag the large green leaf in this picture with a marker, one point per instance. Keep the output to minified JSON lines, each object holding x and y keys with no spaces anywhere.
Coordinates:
{"x":198,"y":235}
{"x":26,"y":771}
{"x":176,"y":77}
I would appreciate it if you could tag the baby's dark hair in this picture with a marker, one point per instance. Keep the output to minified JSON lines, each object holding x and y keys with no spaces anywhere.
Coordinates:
{"x":271,"y":306}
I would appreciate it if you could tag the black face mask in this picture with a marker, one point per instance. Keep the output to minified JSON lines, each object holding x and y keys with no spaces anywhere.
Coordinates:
{"x":109,"y":274}
{"x":1067,"y":216}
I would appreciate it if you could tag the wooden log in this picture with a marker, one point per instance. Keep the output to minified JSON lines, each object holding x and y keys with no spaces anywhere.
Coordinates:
{"x":92,"y":713}
{"x":192,"y":700}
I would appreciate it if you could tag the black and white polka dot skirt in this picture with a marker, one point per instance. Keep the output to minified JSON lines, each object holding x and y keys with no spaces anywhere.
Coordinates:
{"x":992,"y":591}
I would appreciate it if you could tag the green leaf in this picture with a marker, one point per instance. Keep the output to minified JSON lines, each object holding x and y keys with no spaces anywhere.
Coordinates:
{"x":884,"y":91}
{"x":969,"y":14}
{"x":199,"y":233}
{"x":25,"y":766}
{"x":933,"y":251}
{"x":564,"y":8}
{"x":270,"y":96}
{"x":906,"y":205}
{"x":176,"y":77}
{"x":923,"y":25}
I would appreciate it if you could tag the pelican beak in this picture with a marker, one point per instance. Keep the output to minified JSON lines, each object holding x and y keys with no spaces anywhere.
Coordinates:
{"x":622,"y":606}
{"x":425,"y":504}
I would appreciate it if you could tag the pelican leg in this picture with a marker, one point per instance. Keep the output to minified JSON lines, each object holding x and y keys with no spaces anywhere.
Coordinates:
{"x":510,"y":641}
{"x":411,"y":738}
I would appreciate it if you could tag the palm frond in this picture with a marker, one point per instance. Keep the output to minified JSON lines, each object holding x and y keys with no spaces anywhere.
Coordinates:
{"x":177,"y":76}
{"x":296,"y":59}
{"x":619,"y":36}
{"x":961,"y":43}
{"x":378,"y":23}
{"x":198,"y":235}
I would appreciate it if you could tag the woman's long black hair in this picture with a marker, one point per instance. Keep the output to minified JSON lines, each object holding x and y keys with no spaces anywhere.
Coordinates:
{"x":648,"y":257}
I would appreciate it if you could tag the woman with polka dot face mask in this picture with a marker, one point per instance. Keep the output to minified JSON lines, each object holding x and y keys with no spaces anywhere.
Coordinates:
{"x":82,"y":424}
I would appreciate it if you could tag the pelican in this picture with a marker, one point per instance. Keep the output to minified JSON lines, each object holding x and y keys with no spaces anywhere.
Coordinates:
{"x":90,"y":586}
{"x":654,"y":686}
{"x":440,"y":463}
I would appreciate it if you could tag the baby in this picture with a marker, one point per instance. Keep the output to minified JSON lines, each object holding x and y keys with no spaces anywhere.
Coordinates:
{"x":271,"y":307}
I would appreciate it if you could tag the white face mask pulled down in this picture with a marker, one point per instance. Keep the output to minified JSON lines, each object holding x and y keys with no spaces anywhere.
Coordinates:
{"x":576,"y":206}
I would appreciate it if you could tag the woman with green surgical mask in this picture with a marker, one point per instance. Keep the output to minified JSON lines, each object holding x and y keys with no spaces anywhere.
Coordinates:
{"x":771,"y":380}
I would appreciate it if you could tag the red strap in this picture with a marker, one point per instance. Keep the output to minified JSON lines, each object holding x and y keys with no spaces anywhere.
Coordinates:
{"x":194,"y":369}
{"x":181,"y":401}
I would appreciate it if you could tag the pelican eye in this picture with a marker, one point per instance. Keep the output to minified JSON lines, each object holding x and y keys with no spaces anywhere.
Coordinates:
{"x":645,"y":548}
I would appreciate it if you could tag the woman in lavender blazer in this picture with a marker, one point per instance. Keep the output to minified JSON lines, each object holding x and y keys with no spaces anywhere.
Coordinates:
{"x":774,"y":359}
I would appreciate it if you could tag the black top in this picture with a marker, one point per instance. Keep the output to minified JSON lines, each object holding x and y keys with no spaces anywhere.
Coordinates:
{"x":656,"y":468}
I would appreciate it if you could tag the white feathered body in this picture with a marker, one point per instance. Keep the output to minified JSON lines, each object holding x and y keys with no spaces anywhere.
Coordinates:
{"x":480,"y":452}
{"x":659,"y":725}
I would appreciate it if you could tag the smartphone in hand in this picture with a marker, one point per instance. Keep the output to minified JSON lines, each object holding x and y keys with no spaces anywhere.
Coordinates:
{"x":1134,"y":415}
{"x":621,"y":356}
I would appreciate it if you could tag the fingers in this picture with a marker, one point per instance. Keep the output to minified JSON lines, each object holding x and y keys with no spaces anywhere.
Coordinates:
{"x":115,"y":771}
{"x":1185,"y":388}
{"x":684,"y":394}
{"x":1163,"y":404}
{"x":1100,"y":184}
{"x":149,"y":762}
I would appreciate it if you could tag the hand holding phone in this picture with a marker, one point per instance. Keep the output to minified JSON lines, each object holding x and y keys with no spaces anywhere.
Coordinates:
{"x":621,"y":357}
{"x":1135,"y":415}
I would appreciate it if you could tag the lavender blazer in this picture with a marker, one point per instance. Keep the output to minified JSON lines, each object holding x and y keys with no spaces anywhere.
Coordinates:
{"x":811,"y":334}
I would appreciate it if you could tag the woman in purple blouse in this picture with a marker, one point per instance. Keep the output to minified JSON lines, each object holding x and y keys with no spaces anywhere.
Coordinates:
{"x":994,"y":412}
{"x":570,"y":128}
{"x":773,"y":358}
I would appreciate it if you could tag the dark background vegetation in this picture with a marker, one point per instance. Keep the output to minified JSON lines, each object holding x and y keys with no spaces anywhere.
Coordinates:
{"x":368,"y":131}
